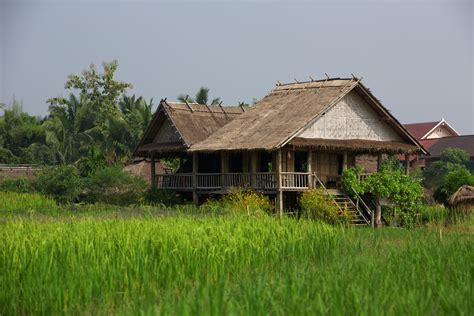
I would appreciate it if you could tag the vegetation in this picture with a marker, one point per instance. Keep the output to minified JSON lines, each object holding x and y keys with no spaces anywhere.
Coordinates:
{"x":317,"y":205}
{"x":202,"y":97}
{"x":448,"y":174}
{"x":228,"y":265}
{"x":100,"y":123}
{"x":404,"y":193}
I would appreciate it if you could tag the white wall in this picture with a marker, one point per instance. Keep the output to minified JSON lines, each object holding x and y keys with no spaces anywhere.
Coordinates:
{"x":351,"y":118}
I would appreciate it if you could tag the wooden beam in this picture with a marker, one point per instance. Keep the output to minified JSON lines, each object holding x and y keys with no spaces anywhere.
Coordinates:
{"x":195,"y":171}
{"x":310,"y":167}
{"x":279,"y":201}
{"x":344,"y":161}
{"x":153,"y":171}
{"x":407,"y":164}
{"x":253,"y":168}
{"x":224,"y":167}
{"x":379,"y":161}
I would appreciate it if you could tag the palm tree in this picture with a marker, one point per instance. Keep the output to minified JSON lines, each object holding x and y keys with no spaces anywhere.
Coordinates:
{"x":202,"y":97}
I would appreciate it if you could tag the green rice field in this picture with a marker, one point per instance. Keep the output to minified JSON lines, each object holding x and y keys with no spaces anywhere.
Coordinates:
{"x":155,"y":263}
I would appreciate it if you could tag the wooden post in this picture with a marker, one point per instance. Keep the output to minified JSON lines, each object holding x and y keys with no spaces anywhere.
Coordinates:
{"x":407,"y":164}
{"x":195,"y":171}
{"x":378,"y":213}
{"x":344,"y":161}
{"x":224,"y":168}
{"x":153,"y":171}
{"x":253,"y":169}
{"x":379,"y":161}
{"x":310,"y":162}
{"x":279,"y":203}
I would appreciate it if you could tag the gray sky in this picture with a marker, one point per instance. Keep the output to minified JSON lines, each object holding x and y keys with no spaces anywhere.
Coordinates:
{"x":416,"y":57}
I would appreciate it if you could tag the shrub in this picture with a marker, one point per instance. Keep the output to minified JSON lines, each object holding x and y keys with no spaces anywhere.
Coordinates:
{"x":63,"y":183}
{"x":351,"y":183}
{"x":161,"y":196}
{"x":317,"y":205}
{"x":112,"y":185}
{"x":19,"y":185}
{"x":452,"y":181}
{"x":242,"y":202}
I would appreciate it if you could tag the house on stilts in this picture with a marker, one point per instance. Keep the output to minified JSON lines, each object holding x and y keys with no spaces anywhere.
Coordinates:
{"x":300,"y":136}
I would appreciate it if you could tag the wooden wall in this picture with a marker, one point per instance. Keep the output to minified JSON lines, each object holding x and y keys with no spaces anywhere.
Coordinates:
{"x":167,"y":133}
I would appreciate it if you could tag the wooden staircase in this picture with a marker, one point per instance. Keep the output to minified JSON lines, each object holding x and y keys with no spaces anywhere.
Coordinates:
{"x":356,"y":216}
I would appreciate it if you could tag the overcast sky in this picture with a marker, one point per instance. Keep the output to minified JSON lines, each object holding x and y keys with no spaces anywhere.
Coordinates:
{"x":416,"y":57}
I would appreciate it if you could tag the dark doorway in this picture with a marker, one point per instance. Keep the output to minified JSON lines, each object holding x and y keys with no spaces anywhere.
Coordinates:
{"x":301,"y":161}
{"x":236,"y":162}
{"x":340,"y":162}
{"x":209,"y":163}
{"x":265,"y":162}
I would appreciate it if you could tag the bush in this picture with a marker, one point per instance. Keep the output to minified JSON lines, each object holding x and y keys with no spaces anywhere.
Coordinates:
{"x":63,"y":183}
{"x":19,"y":185}
{"x":112,"y":185}
{"x":351,"y":182}
{"x":161,"y":196}
{"x":242,"y":202}
{"x":452,"y":181}
{"x":317,"y":205}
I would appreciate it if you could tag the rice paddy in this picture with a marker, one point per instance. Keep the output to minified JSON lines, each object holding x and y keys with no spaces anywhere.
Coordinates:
{"x":204,"y":264}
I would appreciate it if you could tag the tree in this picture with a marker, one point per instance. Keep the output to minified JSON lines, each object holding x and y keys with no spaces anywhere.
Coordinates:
{"x":202,"y":97}
{"x":451,"y":159}
{"x":92,"y":120}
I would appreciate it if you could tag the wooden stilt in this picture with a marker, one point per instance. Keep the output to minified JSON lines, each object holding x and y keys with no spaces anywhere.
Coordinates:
{"x":310,"y":167}
{"x":407,"y":164}
{"x":195,"y":171}
{"x":279,"y":183}
{"x":379,"y":161}
{"x":344,"y":161}
{"x":153,"y":171}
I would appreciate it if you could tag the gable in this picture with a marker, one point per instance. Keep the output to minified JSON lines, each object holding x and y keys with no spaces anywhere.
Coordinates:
{"x":167,"y":133}
{"x":351,"y":118}
{"x":440,"y":131}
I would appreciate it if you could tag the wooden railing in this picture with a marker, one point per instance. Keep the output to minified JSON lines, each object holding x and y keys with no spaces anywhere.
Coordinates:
{"x":174,"y":181}
{"x":208,"y":181}
{"x":296,"y":180}
{"x":265,"y":181}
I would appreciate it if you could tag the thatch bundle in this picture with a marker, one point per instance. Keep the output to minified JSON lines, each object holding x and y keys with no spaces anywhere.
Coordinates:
{"x":463,"y":196}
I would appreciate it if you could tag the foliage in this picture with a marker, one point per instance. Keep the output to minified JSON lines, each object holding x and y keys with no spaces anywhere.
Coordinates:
{"x":229,"y":265}
{"x":29,"y":203}
{"x":451,"y":159}
{"x":243,"y":202}
{"x":202,"y":97}
{"x":434,"y":214}
{"x":112,"y":185}
{"x":161,"y":196}
{"x":460,"y":214}
{"x":317,"y":205}
{"x":452,"y":181}
{"x":19,"y":185}
{"x":351,"y":183}
{"x":63,"y":183}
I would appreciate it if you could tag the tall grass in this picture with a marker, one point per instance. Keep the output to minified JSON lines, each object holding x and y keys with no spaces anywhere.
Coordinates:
{"x":230,"y":265}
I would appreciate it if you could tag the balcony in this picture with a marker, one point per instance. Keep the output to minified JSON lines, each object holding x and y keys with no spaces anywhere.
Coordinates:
{"x":261,"y":181}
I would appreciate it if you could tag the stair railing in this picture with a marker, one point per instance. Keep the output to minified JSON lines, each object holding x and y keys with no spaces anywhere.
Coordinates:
{"x":327,"y":192}
{"x":367,"y":209}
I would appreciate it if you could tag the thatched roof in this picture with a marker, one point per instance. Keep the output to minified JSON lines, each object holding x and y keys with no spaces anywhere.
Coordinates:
{"x":463,"y":196}
{"x":355,"y":145}
{"x":286,"y":110}
{"x":191,"y":123}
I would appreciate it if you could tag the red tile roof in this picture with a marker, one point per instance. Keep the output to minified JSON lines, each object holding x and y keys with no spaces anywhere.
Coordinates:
{"x":418,"y":130}
{"x":427,"y":143}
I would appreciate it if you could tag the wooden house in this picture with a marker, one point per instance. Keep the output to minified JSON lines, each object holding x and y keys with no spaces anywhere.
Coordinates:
{"x":300,"y":136}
